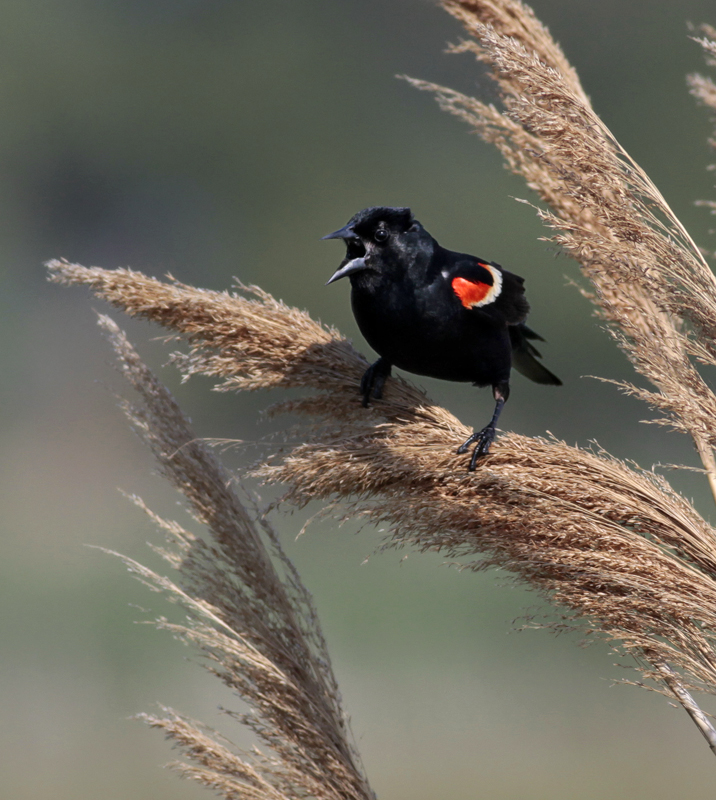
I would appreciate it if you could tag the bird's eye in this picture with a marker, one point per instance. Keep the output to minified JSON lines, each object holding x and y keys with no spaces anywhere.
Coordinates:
{"x":381,"y":235}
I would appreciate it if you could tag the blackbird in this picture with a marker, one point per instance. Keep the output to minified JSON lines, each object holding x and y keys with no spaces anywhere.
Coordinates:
{"x":436,"y":312}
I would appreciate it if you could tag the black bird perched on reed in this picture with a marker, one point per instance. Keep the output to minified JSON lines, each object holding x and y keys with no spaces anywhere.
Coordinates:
{"x":436,"y":312}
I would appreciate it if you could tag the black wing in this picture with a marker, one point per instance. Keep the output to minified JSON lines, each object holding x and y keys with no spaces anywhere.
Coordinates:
{"x":486,"y":286}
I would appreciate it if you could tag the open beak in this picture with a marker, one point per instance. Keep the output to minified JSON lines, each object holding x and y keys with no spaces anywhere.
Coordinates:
{"x":354,"y":265}
{"x":349,"y":266}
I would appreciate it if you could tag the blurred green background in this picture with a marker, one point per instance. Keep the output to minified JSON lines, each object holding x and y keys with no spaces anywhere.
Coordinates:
{"x":213,"y":139}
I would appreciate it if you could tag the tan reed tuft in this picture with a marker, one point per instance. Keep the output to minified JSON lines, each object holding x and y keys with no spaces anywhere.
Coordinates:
{"x":609,"y":543}
{"x":650,"y":281}
{"x":704,"y":90}
{"x":250,"y":615}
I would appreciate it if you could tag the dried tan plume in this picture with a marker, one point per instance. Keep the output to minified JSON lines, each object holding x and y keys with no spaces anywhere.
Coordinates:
{"x":650,"y":280}
{"x":610,"y":543}
{"x":250,"y":615}
{"x":703,"y":89}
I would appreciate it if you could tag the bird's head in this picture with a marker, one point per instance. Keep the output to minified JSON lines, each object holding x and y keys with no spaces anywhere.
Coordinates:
{"x":380,"y":240}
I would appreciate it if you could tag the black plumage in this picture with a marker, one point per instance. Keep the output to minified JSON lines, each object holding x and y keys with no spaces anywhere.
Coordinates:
{"x":436,"y":312}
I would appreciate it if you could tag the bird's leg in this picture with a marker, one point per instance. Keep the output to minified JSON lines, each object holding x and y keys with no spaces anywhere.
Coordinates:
{"x":373,"y":380}
{"x":483,"y":439}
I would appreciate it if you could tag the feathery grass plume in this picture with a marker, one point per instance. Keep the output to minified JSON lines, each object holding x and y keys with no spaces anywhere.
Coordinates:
{"x":704,"y":90}
{"x":257,"y":627}
{"x":702,"y":87}
{"x":613,"y":545}
{"x":651,"y":282}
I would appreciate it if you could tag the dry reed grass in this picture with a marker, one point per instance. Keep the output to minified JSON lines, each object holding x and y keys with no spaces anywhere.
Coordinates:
{"x":650,"y":281}
{"x":613,"y":545}
{"x":703,"y":89}
{"x":255,"y":623}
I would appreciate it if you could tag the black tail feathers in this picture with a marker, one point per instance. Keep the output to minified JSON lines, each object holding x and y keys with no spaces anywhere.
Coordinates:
{"x":525,"y":355}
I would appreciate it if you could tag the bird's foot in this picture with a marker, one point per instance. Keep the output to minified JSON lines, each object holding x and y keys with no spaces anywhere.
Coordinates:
{"x":482,"y":441}
{"x":373,"y":381}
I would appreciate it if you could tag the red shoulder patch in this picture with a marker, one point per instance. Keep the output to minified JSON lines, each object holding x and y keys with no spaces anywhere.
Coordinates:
{"x":470,"y":292}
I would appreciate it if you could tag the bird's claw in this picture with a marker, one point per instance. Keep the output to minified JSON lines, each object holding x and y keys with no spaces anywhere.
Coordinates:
{"x":482,"y":440}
